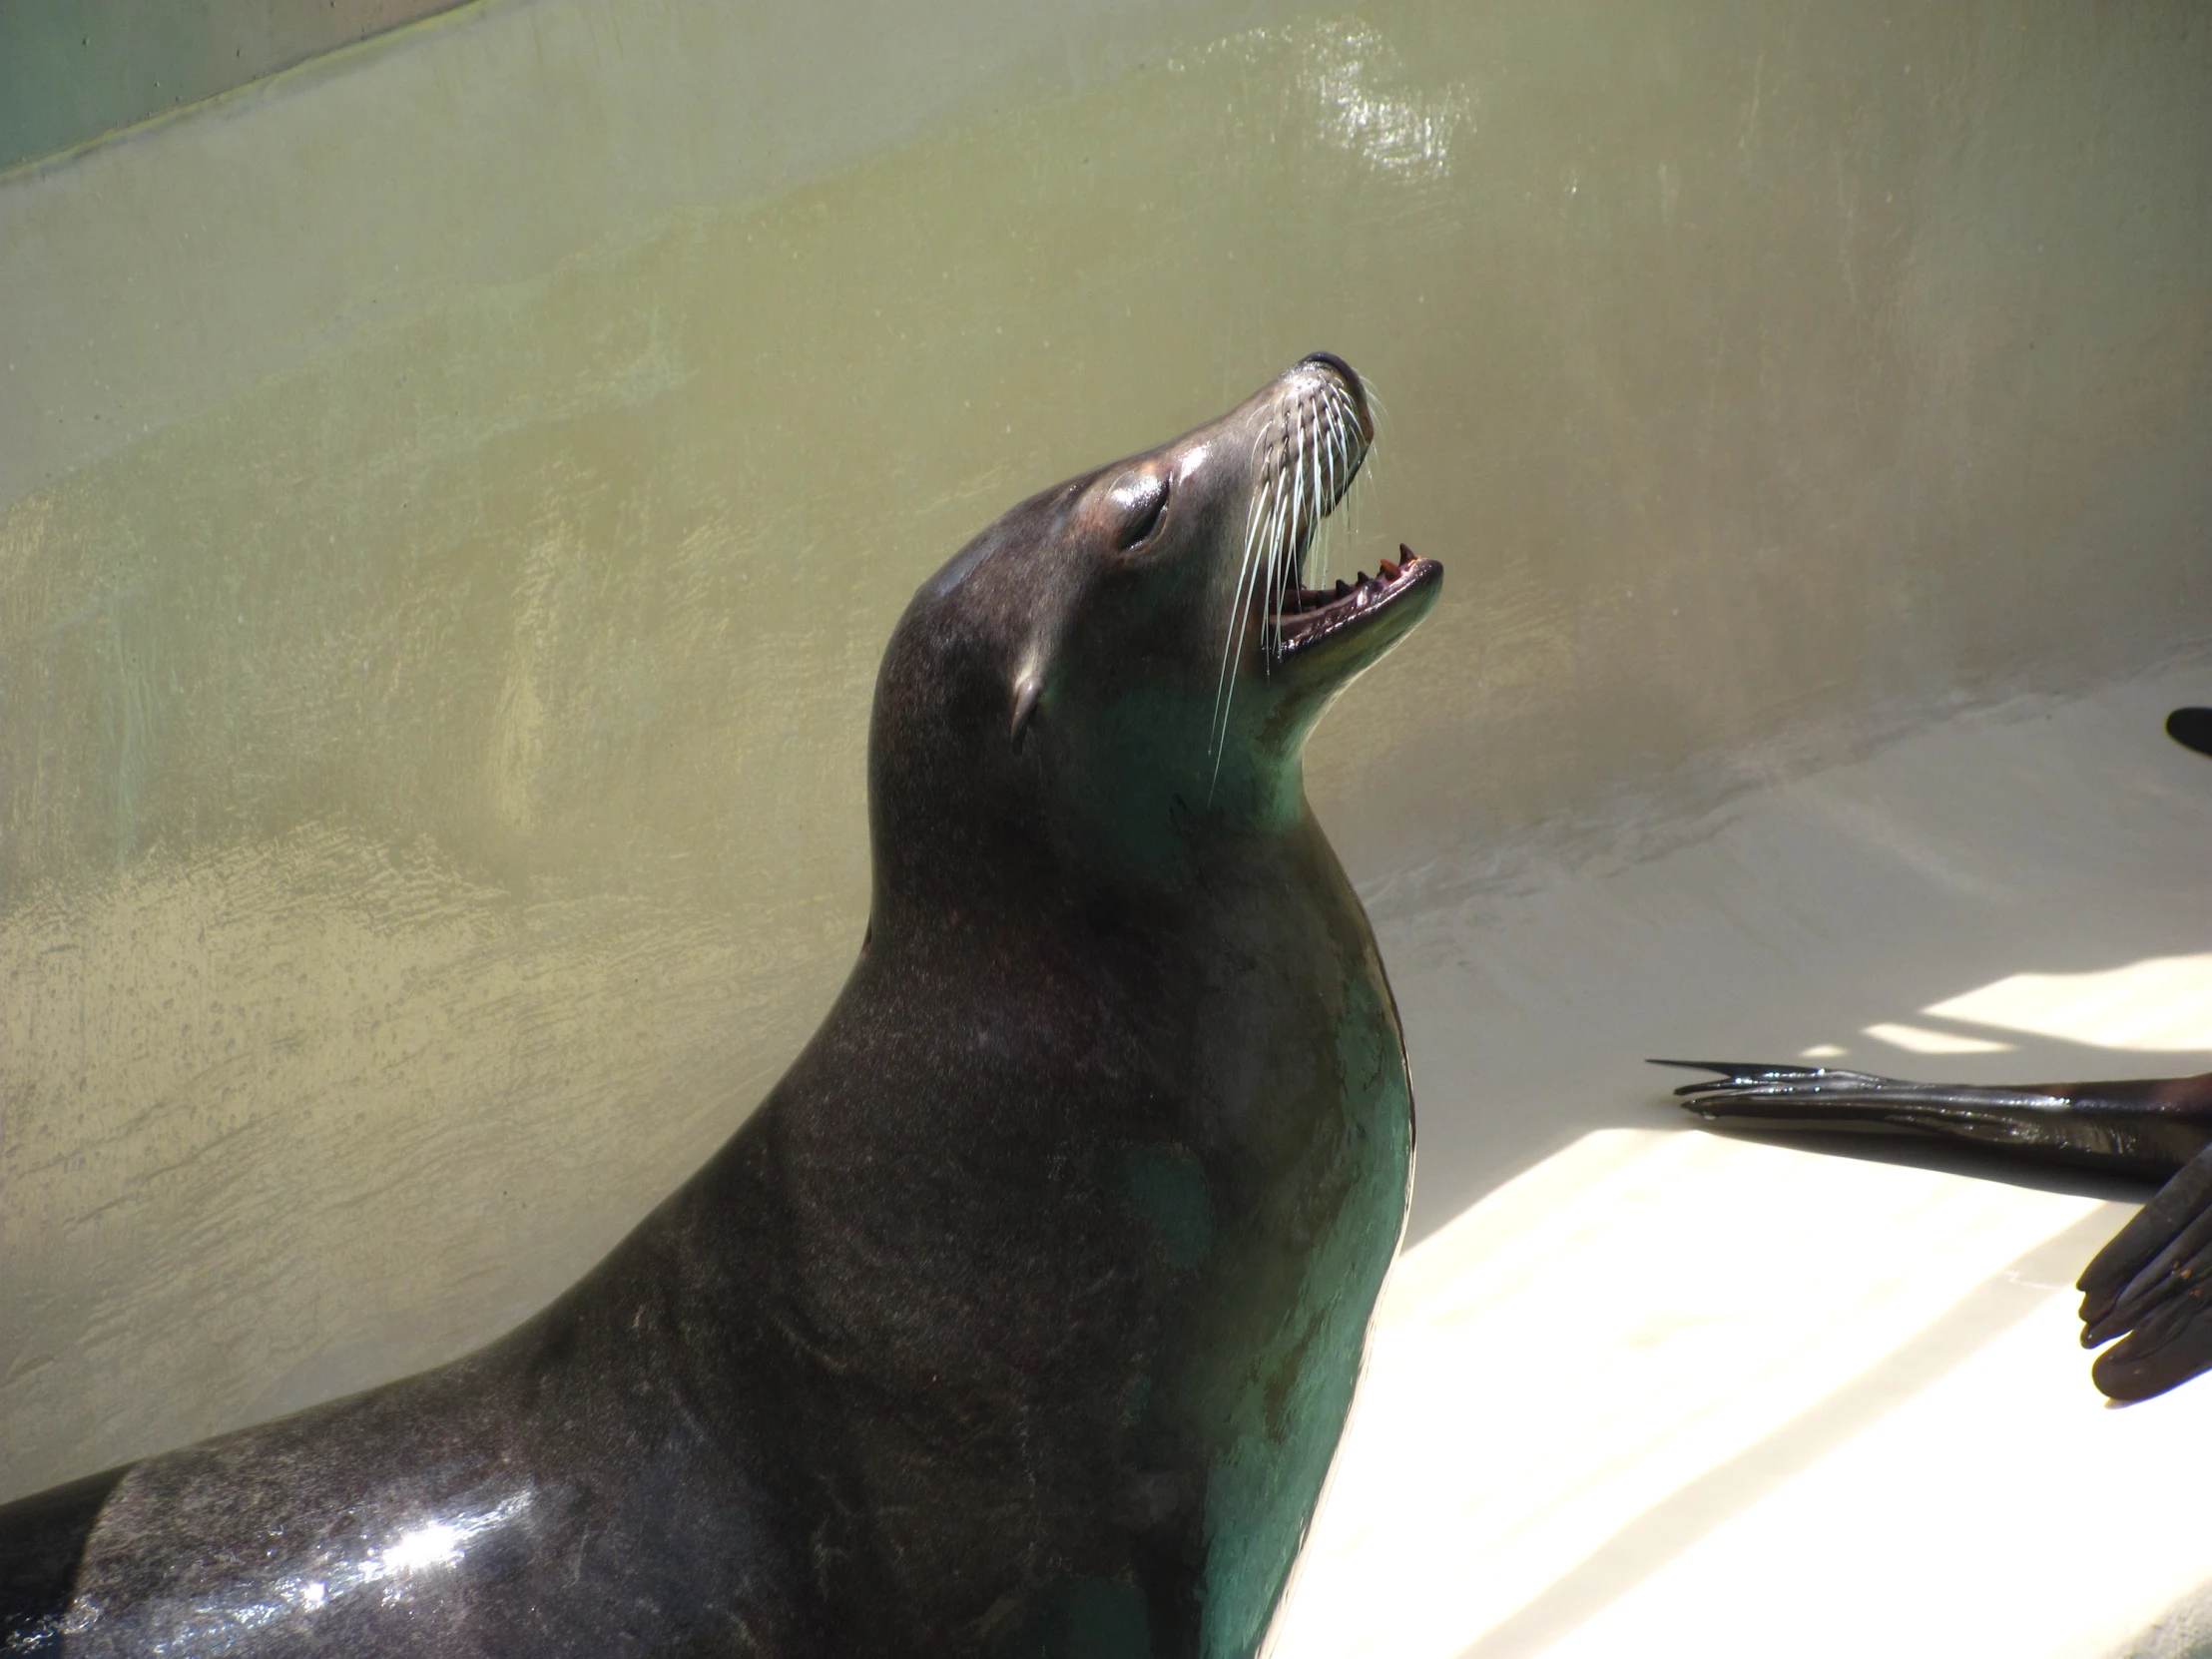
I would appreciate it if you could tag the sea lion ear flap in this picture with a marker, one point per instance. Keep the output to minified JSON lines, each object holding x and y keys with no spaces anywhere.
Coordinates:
{"x":1026,"y":692}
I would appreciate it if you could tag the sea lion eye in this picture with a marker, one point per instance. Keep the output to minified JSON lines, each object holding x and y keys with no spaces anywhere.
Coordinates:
{"x":1141,"y":497}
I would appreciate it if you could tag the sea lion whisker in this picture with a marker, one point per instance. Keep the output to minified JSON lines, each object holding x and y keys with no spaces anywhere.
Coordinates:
{"x":1328,"y":474}
{"x":1305,"y":455}
{"x":1283,"y":532}
{"x":1323,"y":478}
{"x":1252,"y":597}
{"x":1261,"y":441}
{"x":1248,"y":565}
{"x":1225,"y":689}
{"x":1319,"y":469}
{"x":1339,"y":478}
{"x":1355,"y":452}
{"x":1271,"y":555}
{"x":1378,"y":414}
{"x":1348,"y":419}
{"x":1295,"y":532}
{"x":1308,"y":510}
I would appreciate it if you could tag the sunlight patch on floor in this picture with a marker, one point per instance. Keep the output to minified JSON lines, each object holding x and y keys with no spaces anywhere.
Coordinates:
{"x":1679,"y":1394}
{"x":1914,"y":1040}
{"x":2160,"y":1005}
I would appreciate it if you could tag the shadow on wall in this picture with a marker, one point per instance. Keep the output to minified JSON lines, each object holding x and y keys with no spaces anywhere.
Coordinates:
{"x":72,"y":69}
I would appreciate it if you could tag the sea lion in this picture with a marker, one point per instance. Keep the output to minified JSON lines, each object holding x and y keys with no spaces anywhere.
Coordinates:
{"x":1023,"y":1314}
{"x":2151,"y":1285}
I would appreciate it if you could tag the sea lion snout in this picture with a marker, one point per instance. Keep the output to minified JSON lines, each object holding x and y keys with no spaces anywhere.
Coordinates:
{"x":1352,"y":382}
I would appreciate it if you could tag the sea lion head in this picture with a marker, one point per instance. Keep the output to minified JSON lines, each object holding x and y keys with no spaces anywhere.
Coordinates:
{"x":1124,"y":668}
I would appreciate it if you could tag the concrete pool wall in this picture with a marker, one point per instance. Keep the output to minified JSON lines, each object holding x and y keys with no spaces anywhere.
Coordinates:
{"x":452,"y":495}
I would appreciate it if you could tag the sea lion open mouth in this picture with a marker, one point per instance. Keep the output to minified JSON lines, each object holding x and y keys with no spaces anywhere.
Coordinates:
{"x":1306,"y":616}
{"x":1310,"y":451}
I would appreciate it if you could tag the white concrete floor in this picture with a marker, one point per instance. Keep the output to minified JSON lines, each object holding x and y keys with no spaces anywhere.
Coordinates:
{"x":1641,"y":1389}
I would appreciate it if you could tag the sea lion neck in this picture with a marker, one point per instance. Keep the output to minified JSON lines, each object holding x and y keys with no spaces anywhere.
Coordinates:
{"x":1106,"y":801}
{"x":1082,"y":845}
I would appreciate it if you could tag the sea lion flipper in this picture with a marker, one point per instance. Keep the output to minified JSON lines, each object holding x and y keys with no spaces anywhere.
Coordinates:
{"x":40,"y":1538}
{"x":2183,"y":1200}
{"x":2152,"y":1287}
{"x":1811,"y":1097}
{"x":1749,"y":1079}
{"x":2140,"y":1126}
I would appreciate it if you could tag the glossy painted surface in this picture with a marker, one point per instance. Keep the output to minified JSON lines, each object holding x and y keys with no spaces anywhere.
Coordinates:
{"x":1025,"y":1315}
{"x":452,"y":503}
{"x":71,"y":69}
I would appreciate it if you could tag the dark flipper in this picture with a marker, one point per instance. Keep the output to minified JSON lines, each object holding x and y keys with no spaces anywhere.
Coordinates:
{"x":2150,"y":1127}
{"x":2152,"y":1283}
{"x":41,"y":1540}
{"x":2192,"y":728}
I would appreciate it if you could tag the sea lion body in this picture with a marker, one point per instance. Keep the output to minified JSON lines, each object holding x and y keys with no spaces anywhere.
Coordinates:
{"x":1023,"y":1315}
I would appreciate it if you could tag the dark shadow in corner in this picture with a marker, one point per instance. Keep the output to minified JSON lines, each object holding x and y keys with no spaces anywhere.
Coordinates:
{"x":2192,"y":728}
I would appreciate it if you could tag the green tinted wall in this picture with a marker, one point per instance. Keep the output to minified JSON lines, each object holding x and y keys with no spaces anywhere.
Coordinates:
{"x":452,"y":496}
{"x":72,"y":70}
